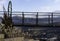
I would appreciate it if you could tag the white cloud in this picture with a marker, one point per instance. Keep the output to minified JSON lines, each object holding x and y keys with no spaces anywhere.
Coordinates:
{"x":56,"y":1}
{"x":0,"y":7}
{"x":2,"y":1}
{"x":1,"y":4}
{"x":28,"y":0}
{"x":49,"y":8}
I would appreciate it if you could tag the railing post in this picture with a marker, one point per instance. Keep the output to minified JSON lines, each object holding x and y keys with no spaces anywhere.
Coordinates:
{"x":49,"y":20}
{"x":22,"y":18}
{"x":52,"y":19}
{"x":37,"y":19}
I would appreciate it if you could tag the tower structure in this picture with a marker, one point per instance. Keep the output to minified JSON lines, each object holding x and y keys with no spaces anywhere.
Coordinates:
{"x":10,"y":9}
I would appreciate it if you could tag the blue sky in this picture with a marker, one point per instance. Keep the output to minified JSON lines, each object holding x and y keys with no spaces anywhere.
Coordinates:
{"x":32,"y":5}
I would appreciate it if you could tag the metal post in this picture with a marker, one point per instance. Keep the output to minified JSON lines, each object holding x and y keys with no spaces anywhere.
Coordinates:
{"x":37,"y":19}
{"x":22,"y":18}
{"x":52,"y":19}
{"x":49,"y":20}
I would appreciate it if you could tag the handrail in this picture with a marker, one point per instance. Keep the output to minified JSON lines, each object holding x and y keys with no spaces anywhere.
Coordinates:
{"x":50,"y":17}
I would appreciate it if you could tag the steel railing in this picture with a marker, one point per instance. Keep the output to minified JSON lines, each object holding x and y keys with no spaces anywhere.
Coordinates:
{"x":49,"y":16}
